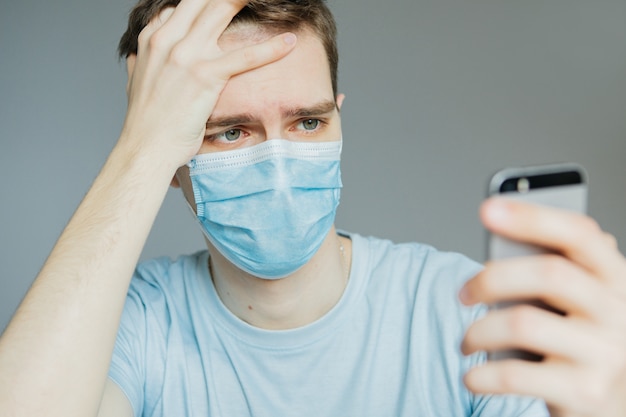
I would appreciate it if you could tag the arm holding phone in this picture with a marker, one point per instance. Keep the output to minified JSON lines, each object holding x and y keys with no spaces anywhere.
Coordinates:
{"x":583,"y":275}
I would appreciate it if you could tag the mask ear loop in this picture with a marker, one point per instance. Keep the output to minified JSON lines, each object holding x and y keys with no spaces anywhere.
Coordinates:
{"x":195,"y":217}
{"x":189,"y":206}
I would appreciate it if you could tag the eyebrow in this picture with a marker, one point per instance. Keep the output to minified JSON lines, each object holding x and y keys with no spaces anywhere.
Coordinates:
{"x":318,"y":109}
{"x":229,"y":121}
{"x":315,"y":110}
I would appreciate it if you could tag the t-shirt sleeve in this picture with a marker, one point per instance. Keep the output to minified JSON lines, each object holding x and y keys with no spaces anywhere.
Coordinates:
{"x":126,"y":368}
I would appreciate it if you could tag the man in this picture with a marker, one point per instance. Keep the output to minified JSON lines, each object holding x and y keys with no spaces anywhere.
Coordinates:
{"x":282,"y":315}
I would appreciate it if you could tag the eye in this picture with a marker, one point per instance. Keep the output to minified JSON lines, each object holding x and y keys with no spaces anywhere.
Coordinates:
{"x":230,"y":135}
{"x":310,"y":124}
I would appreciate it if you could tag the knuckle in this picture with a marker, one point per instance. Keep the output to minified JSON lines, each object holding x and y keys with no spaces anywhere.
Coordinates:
{"x":554,"y":272}
{"x":198,"y":74}
{"x":509,"y":377}
{"x":249,"y":56}
{"x":179,"y":56}
{"x":144,"y":36}
{"x":588,"y":227}
{"x":522,"y":322}
{"x":208,"y":78}
{"x":157,"y":40}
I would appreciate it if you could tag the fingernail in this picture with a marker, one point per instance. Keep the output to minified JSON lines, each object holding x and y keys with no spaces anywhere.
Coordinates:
{"x":289,"y":38}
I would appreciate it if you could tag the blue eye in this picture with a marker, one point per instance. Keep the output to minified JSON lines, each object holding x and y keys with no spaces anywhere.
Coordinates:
{"x":230,"y":135}
{"x":310,"y":124}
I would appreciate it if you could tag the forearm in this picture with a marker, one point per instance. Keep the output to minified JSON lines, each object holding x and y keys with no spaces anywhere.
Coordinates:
{"x":55,"y":353}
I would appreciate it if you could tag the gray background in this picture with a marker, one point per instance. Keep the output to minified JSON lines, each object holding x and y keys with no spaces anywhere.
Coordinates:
{"x":440,"y":94}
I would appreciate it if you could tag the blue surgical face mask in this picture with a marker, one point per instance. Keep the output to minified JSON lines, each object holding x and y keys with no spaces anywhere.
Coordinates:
{"x":268,"y":208}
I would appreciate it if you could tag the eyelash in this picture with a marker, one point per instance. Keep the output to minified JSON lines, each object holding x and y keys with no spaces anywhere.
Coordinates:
{"x":321,"y":125}
{"x":213,"y":137}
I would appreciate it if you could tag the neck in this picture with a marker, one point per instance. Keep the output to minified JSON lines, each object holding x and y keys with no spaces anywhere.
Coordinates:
{"x":294,"y":301}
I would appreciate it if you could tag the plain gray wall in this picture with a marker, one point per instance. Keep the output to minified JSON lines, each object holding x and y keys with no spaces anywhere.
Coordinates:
{"x":440,"y":94}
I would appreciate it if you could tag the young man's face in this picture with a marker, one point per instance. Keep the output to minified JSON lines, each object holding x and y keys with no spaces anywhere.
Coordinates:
{"x":291,"y":99}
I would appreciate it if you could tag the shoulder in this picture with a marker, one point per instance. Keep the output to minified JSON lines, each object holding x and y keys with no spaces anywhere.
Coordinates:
{"x":414,"y":261}
{"x":165,"y":273}
{"x":411,"y":289}
{"x":158,"y":301}
{"x":161,"y":287}
{"x":415,"y":280}
{"x":154,"y":325}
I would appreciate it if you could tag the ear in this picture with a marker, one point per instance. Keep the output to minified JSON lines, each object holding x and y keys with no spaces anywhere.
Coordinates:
{"x":130,"y":68}
{"x":340,"y":98}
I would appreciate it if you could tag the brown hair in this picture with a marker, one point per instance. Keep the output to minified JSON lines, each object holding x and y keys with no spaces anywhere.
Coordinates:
{"x":273,"y":15}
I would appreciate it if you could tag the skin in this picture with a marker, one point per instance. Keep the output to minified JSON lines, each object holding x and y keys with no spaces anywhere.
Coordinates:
{"x":183,"y":76}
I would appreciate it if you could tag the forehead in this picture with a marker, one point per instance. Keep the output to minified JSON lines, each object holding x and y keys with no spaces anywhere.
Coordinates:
{"x":299,"y":79}
{"x":237,"y":33}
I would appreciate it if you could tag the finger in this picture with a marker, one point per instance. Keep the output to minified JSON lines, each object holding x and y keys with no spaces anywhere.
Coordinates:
{"x":558,"y":384}
{"x":576,"y":236}
{"x":181,"y":20}
{"x":539,"y":331}
{"x":147,"y":33}
{"x":253,"y":56}
{"x":212,"y":20}
{"x":550,"y":278}
{"x":147,"y":51}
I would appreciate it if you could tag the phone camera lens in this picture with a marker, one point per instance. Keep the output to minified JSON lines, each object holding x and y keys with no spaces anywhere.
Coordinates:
{"x":523,"y":185}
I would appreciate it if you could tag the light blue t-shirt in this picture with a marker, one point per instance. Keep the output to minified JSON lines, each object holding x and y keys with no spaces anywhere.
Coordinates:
{"x":390,"y":347}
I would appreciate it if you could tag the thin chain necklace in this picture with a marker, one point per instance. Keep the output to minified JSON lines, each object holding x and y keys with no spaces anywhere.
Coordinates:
{"x":344,"y":261}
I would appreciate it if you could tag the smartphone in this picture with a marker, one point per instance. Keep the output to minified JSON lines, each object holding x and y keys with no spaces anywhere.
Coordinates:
{"x":563,"y":186}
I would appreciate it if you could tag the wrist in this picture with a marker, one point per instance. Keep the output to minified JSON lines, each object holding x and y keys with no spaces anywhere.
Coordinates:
{"x":149,"y":158}
{"x":159,"y":143}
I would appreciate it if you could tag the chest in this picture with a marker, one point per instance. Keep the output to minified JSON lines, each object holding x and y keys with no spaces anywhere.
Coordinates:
{"x":360,"y":370}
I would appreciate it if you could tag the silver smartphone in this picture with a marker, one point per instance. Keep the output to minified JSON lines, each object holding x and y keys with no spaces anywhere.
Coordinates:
{"x":563,"y":186}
